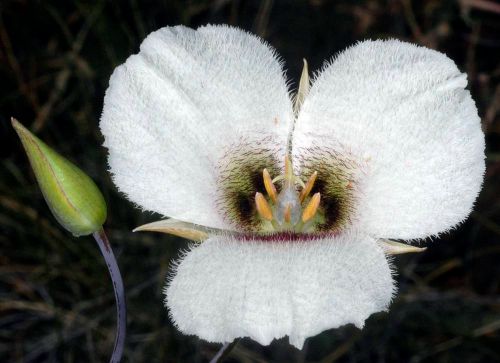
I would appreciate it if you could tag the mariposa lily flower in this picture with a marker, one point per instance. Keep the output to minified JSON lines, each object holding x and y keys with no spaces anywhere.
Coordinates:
{"x":296,"y":200}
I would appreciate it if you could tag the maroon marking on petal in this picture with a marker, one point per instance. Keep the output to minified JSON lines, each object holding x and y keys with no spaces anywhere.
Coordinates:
{"x":283,"y":236}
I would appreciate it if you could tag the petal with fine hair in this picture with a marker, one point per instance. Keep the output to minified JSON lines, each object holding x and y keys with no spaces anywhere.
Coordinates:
{"x":403,"y":110}
{"x":171,"y":109}
{"x":227,"y":288}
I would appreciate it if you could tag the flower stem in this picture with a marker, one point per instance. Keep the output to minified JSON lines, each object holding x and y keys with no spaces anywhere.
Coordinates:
{"x":224,"y":351}
{"x":116,"y":279}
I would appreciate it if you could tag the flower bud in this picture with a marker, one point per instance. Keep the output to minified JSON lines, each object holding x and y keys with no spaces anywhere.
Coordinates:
{"x":73,"y":198}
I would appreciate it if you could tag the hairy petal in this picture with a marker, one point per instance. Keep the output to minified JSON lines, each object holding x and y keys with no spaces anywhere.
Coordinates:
{"x":225,"y":288}
{"x":171,"y":109}
{"x":404,"y":112}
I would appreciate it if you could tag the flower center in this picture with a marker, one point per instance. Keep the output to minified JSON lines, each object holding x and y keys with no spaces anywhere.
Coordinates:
{"x":258,"y":196}
{"x":290,"y":210}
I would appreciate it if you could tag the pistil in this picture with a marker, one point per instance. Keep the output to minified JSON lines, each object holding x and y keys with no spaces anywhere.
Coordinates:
{"x":288,"y":210}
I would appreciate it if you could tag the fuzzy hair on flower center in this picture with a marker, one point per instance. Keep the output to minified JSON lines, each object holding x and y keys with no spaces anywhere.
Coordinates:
{"x":261,"y":195}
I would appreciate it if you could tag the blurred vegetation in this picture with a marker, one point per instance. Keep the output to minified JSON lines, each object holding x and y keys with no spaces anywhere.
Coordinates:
{"x":56,"y":302}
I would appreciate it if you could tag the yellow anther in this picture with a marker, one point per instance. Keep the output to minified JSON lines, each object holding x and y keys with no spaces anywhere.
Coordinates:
{"x":308,"y":187}
{"x":311,"y":208}
{"x":263,"y":207}
{"x":287,"y":215}
{"x":268,"y":184}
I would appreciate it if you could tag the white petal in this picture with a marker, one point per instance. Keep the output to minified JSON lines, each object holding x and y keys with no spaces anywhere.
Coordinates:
{"x":171,"y":110}
{"x":404,"y":111}
{"x":226,"y":288}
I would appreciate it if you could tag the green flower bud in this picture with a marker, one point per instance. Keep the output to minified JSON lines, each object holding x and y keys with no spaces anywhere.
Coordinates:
{"x":73,"y":198}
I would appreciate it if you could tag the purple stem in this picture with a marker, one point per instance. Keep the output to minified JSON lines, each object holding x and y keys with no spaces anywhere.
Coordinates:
{"x":116,"y":279}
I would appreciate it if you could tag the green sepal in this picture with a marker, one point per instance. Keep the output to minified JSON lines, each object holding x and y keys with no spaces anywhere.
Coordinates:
{"x":73,"y":198}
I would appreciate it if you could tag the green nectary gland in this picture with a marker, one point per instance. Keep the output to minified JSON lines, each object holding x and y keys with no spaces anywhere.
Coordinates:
{"x":241,"y":178}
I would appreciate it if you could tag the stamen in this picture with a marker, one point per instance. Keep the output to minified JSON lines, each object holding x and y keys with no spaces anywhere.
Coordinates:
{"x":308,"y":187}
{"x":288,"y":213}
{"x":268,"y":184}
{"x":311,"y":208}
{"x":284,"y":209}
{"x":289,"y":177}
{"x":263,"y":207}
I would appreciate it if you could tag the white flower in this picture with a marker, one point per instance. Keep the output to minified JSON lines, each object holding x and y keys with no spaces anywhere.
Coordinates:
{"x":195,"y":117}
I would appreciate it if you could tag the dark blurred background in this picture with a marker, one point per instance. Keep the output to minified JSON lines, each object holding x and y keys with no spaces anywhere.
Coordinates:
{"x":56,"y":301}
